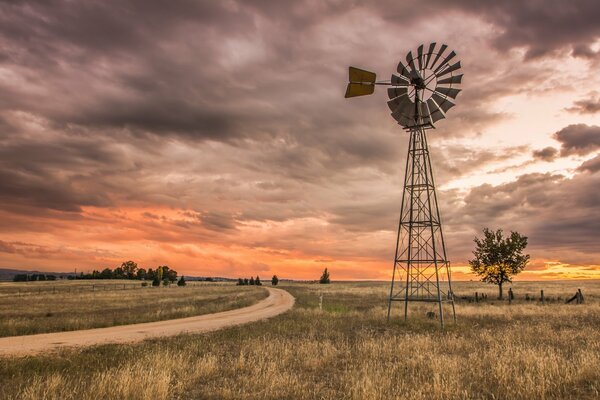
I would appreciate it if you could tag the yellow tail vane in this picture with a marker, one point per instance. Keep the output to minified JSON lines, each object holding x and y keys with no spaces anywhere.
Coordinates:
{"x":359,"y":89}
{"x":361,"y":83}
{"x":358,"y":75}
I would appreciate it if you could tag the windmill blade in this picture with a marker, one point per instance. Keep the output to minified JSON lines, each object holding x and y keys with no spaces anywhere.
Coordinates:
{"x":442,"y":102}
{"x":410,"y":61}
{"x":397,"y":92}
{"x":400,"y":105}
{"x":420,"y":57}
{"x":399,"y":80}
{"x":452,"y":80}
{"x":359,"y":89}
{"x":438,"y":55}
{"x":446,"y":71}
{"x":436,"y":113}
{"x":449,"y":92}
{"x":443,"y":64}
{"x":429,"y":53}
{"x":402,"y":70}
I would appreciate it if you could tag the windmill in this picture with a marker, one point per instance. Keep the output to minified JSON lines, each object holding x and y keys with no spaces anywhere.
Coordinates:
{"x":420,"y":95}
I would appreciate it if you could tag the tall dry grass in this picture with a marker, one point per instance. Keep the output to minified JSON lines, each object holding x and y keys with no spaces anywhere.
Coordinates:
{"x":25,"y":310}
{"x":346,"y":350}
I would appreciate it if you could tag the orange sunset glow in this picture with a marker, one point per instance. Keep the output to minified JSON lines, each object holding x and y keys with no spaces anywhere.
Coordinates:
{"x":217,"y":140}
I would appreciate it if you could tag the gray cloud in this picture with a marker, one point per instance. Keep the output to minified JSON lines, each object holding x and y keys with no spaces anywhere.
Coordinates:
{"x":546,"y":154}
{"x":234,"y":111}
{"x":592,"y":165}
{"x":590,"y":105}
{"x":578,"y":139}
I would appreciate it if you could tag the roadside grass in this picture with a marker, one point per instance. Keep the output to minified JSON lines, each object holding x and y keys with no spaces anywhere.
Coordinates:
{"x":346,"y":350}
{"x":64,"y":306}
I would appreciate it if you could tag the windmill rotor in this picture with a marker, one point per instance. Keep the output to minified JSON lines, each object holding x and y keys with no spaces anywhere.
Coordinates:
{"x":422,"y":91}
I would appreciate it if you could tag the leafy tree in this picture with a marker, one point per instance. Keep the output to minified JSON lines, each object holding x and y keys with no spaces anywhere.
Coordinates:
{"x":171,"y":275}
{"x":106,"y":273}
{"x":246,"y":281}
{"x":129,"y":268}
{"x":181,"y":281}
{"x":325,"y":277}
{"x":274,"y":280}
{"x":498,"y":259}
{"x":257,"y":281}
{"x":141,"y":274}
{"x":240,"y":282}
{"x":251,"y":281}
{"x":118,"y":273}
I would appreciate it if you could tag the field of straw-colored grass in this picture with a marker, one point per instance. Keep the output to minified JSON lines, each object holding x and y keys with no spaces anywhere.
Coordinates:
{"x":347,"y":351}
{"x":38,"y":307}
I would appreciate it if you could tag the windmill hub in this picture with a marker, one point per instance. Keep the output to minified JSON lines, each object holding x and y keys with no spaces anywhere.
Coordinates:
{"x":420,"y":95}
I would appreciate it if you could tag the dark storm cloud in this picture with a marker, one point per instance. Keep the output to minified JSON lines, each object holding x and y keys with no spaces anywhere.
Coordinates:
{"x":541,"y":27}
{"x":236,"y":110}
{"x":554,"y":211}
{"x":580,"y":139}
{"x":592,"y":165}
{"x":546,"y":154}
{"x":590,"y":105}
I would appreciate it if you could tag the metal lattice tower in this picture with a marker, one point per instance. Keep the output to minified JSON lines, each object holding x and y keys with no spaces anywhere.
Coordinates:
{"x":421,"y":268}
{"x":420,"y":95}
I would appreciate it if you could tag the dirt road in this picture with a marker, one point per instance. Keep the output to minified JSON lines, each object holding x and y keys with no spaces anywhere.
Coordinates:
{"x":278,"y":301}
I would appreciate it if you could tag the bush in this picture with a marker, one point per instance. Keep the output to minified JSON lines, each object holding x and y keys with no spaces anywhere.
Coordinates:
{"x":274,"y":280}
{"x":155,"y":281}
{"x":181,"y":281}
{"x":257,"y":281}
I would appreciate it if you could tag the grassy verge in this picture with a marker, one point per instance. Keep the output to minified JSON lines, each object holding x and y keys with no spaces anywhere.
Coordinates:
{"x":346,"y":350}
{"x":30,"y":309}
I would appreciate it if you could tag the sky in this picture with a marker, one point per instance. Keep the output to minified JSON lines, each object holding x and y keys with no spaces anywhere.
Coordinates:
{"x":214,"y":137}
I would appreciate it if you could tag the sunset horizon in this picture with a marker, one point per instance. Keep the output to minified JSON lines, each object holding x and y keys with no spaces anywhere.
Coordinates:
{"x":215,"y":138}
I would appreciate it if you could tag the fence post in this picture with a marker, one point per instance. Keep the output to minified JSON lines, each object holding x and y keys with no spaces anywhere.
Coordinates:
{"x":320,"y":301}
{"x":542,"y":296}
{"x":476,"y":297}
{"x":510,"y":295}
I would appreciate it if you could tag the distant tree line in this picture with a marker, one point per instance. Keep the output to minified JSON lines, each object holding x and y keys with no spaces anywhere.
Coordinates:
{"x":251,"y":281}
{"x":128,"y":270}
{"x":33,"y":277}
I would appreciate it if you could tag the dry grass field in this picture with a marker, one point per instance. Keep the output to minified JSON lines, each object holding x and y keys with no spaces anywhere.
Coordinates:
{"x":39,"y":307}
{"x":347,"y":351}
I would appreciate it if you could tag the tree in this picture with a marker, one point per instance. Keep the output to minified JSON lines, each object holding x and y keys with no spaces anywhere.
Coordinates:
{"x":106,"y":273}
{"x":129,"y":268}
{"x":246,"y":282}
{"x":498,"y":259}
{"x":240,"y":282}
{"x":325,"y":277}
{"x":257,"y":281}
{"x":274,"y":280}
{"x":181,"y":281}
{"x":155,"y":281}
{"x":251,"y":281}
{"x":141,"y":274}
{"x":118,"y":273}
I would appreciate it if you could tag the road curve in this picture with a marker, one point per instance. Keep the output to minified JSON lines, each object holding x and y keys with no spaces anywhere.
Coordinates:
{"x":278,"y":302}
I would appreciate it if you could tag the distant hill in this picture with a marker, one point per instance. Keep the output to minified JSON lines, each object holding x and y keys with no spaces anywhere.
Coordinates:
{"x":9,"y":274}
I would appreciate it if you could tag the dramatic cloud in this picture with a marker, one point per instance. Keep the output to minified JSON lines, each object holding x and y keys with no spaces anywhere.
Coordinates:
{"x":578,"y":139}
{"x":589,"y":105}
{"x":214,"y":136}
{"x":546,"y":154}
